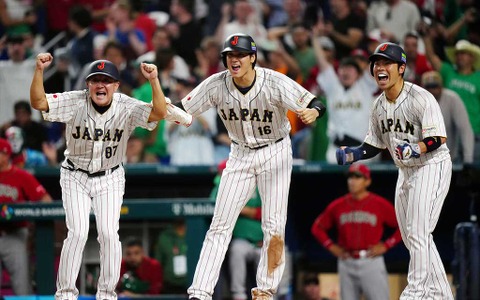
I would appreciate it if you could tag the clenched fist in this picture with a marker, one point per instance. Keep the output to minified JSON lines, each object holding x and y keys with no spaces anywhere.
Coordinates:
{"x":149,"y":71}
{"x":43,"y":60}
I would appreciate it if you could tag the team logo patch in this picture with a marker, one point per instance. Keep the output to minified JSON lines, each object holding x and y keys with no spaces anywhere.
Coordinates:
{"x":55,"y":96}
{"x":384,"y":47}
{"x":101,"y":66}
{"x":404,"y":57}
{"x":429,"y":129}
{"x":301,"y":100}
{"x":234,"y":41}
{"x":253,"y":46}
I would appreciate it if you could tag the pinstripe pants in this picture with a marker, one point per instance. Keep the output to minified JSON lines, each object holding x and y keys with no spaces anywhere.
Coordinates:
{"x":80,"y":194}
{"x":419,"y":198}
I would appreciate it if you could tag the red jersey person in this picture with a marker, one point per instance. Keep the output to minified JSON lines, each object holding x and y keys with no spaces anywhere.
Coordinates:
{"x":359,"y":217}
{"x":16,"y":186}
{"x":139,"y":274}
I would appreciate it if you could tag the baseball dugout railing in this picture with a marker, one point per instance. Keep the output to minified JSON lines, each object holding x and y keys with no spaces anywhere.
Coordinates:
{"x":196,"y":212}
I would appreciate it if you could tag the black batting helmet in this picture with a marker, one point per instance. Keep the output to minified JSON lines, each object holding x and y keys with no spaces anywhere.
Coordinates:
{"x":103,"y":67}
{"x":239,"y":42}
{"x":389,"y":51}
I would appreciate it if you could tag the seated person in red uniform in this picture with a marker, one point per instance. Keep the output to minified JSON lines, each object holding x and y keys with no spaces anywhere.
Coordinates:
{"x":139,"y":274}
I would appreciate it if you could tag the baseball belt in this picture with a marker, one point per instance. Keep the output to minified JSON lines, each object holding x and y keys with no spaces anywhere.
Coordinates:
{"x":96,"y":174}
{"x":259,"y":147}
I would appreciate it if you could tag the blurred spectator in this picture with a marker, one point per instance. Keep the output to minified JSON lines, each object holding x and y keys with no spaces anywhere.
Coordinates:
{"x":171,"y":252}
{"x":460,"y":140}
{"x":247,"y":240}
{"x":359,"y":218}
{"x":311,"y":287}
{"x":30,"y":136}
{"x":139,"y":274}
{"x":100,"y":11}
{"x":460,"y":17}
{"x":15,"y":75}
{"x":185,"y":30}
{"x":162,"y":41}
{"x":57,"y":14}
{"x":115,"y":53}
{"x":461,"y":76}
{"x":143,"y":21}
{"x":17,"y":186}
{"x":394,"y":18}
{"x":121,"y":28}
{"x":209,"y":61}
{"x":192,"y":145}
{"x":345,"y":27}
{"x":417,"y":63}
{"x":350,"y":94}
{"x":274,"y":13}
{"x":144,"y":145}
{"x":99,"y":43}
{"x":80,"y":47}
{"x":17,"y":16}
{"x":35,"y":134}
{"x":244,"y":20}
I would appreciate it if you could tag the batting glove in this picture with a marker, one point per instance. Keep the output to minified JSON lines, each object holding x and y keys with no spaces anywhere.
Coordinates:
{"x":406,"y":151}
{"x":347,"y":155}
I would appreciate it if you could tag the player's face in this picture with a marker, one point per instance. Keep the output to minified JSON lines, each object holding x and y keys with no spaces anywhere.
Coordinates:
{"x":4,"y":160}
{"x":101,"y":89}
{"x":239,"y":63}
{"x":387,"y":73}
{"x":357,"y":184}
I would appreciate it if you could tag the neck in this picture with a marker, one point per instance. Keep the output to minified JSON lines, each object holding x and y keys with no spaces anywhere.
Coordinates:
{"x":466,"y":70}
{"x":394,"y":91}
{"x":5,"y":167}
{"x":360,"y":195}
{"x":246,"y":80}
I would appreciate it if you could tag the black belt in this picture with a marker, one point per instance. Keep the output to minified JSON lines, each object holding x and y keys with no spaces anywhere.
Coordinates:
{"x":96,"y":174}
{"x":259,"y":147}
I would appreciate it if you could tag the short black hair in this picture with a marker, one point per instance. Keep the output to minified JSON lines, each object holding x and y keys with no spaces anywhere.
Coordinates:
{"x":133,"y":241}
{"x":22,"y":105}
{"x":350,"y":61}
{"x":80,"y":15}
{"x":310,"y":278}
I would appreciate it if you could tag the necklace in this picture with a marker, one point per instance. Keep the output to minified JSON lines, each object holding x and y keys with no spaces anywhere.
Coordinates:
{"x":395,"y":99}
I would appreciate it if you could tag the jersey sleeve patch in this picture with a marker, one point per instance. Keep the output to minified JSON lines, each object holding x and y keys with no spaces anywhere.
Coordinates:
{"x":303,"y":98}
{"x":429,"y":129}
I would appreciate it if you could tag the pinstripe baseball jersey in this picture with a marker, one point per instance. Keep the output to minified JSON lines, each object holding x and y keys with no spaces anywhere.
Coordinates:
{"x":95,"y":141}
{"x":257,"y":118}
{"x":414,"y":116}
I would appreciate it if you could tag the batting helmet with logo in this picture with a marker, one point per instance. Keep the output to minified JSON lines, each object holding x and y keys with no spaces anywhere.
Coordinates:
{"x":103,"y":67}
{"x":239,"y":42}
{"x":389,"y":51}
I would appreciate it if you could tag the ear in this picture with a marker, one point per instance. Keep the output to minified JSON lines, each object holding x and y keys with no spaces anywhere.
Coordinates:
{"x":401,"y":69}
{"x":117,"y":85}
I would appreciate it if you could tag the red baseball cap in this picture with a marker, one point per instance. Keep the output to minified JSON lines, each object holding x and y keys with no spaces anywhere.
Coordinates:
{"x":359,"y":169}
{"x":5,"y":147}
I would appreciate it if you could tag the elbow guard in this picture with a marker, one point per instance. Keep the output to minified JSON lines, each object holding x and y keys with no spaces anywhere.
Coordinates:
{"x":432,"y":143}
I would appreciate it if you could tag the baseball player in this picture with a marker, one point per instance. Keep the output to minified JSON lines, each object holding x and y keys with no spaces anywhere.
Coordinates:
{"x":16,"y":186}
{"x":253,"y":104}
{"x":407,"y":120}
{"x":359,"y":217}
{"x":98,"y":124}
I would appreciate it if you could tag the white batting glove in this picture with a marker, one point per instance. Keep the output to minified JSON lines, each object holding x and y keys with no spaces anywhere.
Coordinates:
{"x":177,"y":115}
{"x":404,"y":150}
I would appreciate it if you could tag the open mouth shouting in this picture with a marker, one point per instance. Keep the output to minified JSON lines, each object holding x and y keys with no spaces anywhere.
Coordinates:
{"x":382,"y":77}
